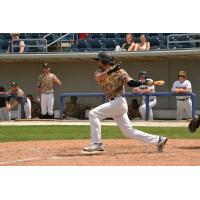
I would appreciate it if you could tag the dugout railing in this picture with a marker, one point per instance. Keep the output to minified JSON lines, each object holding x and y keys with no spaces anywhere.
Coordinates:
{"x":157,"y":94}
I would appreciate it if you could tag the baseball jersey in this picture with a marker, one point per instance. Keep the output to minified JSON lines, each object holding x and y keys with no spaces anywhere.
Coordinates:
{"x":152,"y":87}
{"x":185,"y":85}
{"x":113,"y":85}
{"x":46,"y":83}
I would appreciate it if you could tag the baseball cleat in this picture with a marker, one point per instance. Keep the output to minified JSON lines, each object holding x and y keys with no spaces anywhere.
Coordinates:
{"x":96,"y":147}
{"x":161,"y":143}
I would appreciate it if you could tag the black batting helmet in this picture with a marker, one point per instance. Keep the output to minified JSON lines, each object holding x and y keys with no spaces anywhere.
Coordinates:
{"x":105,"y":58}
{"x":143,"y":73}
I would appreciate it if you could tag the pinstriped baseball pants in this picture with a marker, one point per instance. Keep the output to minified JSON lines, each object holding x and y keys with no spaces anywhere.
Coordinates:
{"x":184,"y":106}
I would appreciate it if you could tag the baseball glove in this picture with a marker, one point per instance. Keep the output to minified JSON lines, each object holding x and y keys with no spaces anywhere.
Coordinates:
{"x":194,"y":124}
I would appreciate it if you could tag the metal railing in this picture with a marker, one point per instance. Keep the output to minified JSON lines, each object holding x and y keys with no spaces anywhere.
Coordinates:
{"x":189,"y":35}
{"x":59,"y":39}
{"x":160,"y":94}
{"x":42,"y":44}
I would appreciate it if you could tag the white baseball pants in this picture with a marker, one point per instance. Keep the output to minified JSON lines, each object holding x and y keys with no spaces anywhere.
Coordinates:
{"x":117,"y":109}
{"x":47,"y":103}
{"x":184,"y":106}
{"x":142,"y":109}
{"x":27,"y":110}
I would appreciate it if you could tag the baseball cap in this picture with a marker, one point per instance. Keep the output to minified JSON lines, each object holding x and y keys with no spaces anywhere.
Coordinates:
{"x":182,"y":73}
{"x":46,"y":65}
{"x":14,"y":84}
{"x":105,"y":58}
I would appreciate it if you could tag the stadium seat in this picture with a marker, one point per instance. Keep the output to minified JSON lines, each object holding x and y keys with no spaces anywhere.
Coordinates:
{"x":117,"y":35}
{"x":137,"y":34}
{"x":83,"y":45}
{"x":7,"y":36}
{"x":118,"y":41}
{"x":95,"y":44}
{"x":137,"y":39}
{"x":110,"y":44}
{"x":154,"y":41}
{"x":103,"y":35}
{"x":122,"y":35}
{"x":5,"y":43}
{"x":152,"y":34}
{"x":96,"y":35}
{"x":110,"y":35}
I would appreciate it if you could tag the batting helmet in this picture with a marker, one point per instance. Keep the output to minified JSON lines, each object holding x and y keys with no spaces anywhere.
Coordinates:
{"x":143,"y":73}
{"x":105,"y":58}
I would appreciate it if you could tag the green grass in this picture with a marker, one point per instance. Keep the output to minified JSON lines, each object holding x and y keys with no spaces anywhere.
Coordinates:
{"x":28,"y":133}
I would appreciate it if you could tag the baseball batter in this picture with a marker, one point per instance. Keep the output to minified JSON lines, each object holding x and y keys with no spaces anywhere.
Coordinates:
{"x":112,"y":80}
{"x":146,"y":89}
{"x":16,"y":90}
{"x":46,"y":83}
{"x":184,"y":103}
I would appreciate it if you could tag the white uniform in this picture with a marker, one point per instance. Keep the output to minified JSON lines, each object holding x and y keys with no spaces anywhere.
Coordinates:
{"x":27,"y":105}
{"x":184,"y":103}
{"x":113,"y":87}
{"x":152,"y":102}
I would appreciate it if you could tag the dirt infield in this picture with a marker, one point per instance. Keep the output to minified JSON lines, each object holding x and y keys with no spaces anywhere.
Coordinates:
{"x":121,"y":152}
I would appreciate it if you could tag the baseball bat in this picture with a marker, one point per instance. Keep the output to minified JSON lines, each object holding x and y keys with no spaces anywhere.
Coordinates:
{"x":157,"y":83}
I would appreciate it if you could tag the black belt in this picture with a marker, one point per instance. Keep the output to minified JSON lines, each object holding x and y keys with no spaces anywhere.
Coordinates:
{"x":182,"y":99}
{"x":116,"y":96}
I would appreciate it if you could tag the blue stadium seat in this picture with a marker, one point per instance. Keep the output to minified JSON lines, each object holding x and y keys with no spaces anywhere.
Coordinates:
{"x":96,"y":35}
{"x":118,"y":41}
{"x":110,"y":35}
{"x":110,"y":44}
{"x":5,"y":43}
{"x":122,"y":35}
{"x":7,"y":36}
{"x":152,"y":34}
{"x":117,"y":35}
{"x":83,"y":45}
{"x":154,"y":41}
{"x":137,"y":34}
{"x":95,"y":44}
{"x":137,"y":39}
{"x":175,"y":46}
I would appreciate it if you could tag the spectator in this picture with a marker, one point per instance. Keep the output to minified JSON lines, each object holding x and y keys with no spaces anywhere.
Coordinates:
{"x":128,"y":45}
{"x":19,"y":45}
{"x":146,"y":89}
{"x":35,"y":107}
{"x":133,"y":110}
{"x":4,"y":105}
{"x":18,"y":94}
{"x":74,"y":110}
{"x":184,"y":103}
{"x":144,"y":45}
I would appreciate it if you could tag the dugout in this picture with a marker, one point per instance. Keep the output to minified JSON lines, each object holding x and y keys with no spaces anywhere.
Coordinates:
{"x":75,"y":70}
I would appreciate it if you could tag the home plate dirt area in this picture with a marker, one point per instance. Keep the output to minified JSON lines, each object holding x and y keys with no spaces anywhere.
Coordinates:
{"x":118,"y":152}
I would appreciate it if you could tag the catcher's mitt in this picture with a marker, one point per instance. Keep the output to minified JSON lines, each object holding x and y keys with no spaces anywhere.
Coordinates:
{"x":194,"y":124}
